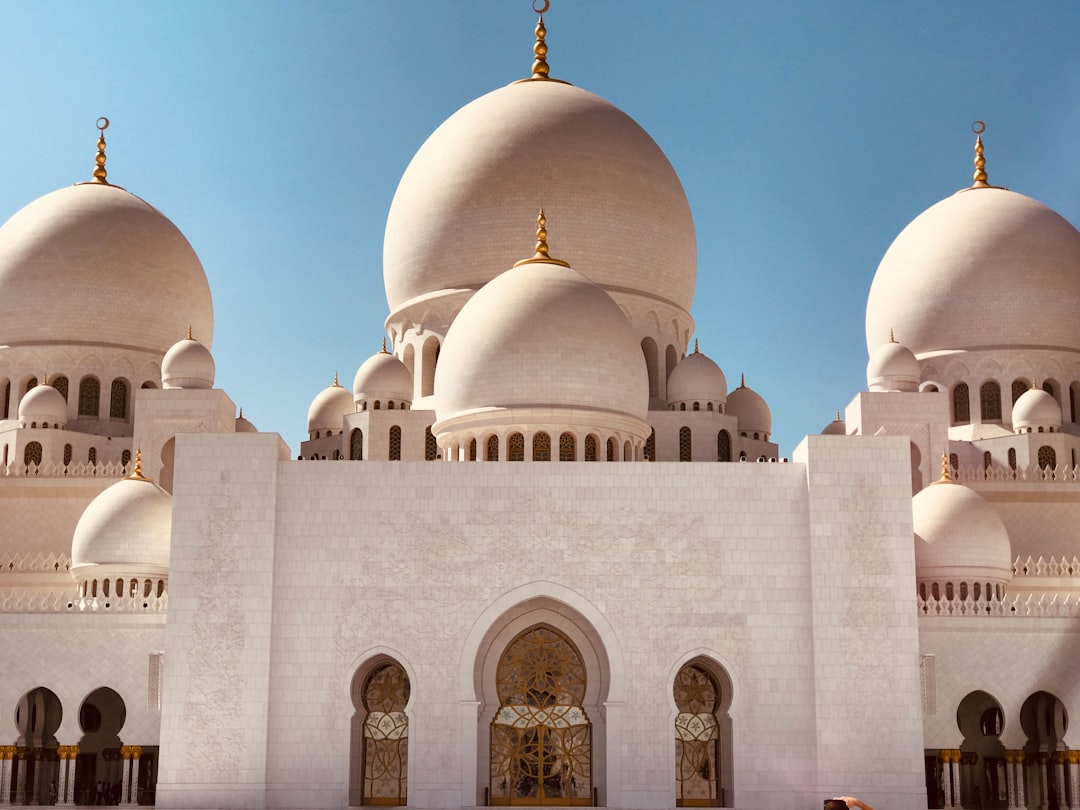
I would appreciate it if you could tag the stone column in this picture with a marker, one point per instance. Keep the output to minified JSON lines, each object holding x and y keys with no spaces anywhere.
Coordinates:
{"x":1059,"y":758}
{"x":6,"y":753}
{"x":1013,"y":776}
{"x":1074,"y":780}
{"x":129,"y":793}
{"x":948,"y":777}
{"x":67,"y":773}
{"x":20,"y":778}
{"x":1041,"y":760}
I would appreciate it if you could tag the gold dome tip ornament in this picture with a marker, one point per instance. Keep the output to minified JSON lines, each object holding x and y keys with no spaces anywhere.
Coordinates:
{"x":99,"y":170}
{"x":336,"y":383}
{"x":742,"y":381}
{"x":892,"y":337}
{"x":241,"y":416}
{"x":696,"y":346}
{"x":383,"y":349}
{"x":540,"y":69}
{"x":837,"y":415}
{"x":980,"y":178}
{"x":189,"y":337}
{"x":137,"y":474}
{"x":541,"y":254}
{"x":1034,"y":384}
{"x":946,"y":477}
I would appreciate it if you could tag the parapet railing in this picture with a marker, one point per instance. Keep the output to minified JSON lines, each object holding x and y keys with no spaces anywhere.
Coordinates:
{"x":1021,"y":605}
{"x":31,"y":563}
{"x":1043,"y":567}
{"x":1032,"y":475}
{"x":27,"y":602}
{"x":105,"y":469}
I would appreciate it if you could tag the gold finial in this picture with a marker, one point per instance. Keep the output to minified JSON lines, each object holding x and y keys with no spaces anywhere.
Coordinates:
{"x":1034,"y":383}
{"x":946,"y":477}
{"x":383,"y":349}
{"x":540,"y":68}
{"x":892,"y":337}
{"x":837,"y":414}
{"x":979,"y":127}
{"x":241,"y":412}
{"x":696,"y":346}
{"x":541,"y":254}
{"x":189,"y":337}
{"x":137,"y":474}
{"x":336,"y":383}
{"x":99,"y":171}
{"x":742,"y":381}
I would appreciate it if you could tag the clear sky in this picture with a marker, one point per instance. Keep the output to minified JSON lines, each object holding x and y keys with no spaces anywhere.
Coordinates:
{"x":806,"y":134}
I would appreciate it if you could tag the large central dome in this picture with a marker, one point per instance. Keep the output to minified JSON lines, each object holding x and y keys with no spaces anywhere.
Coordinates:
{"x":624,"y":222}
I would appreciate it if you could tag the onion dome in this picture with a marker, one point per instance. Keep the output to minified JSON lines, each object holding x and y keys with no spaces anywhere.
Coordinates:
{"x":1035,"y":410}
{"x":382,"y":378}
{"x":187,"y":364}
{"x":982,"y":269}
{"x":124,"y":532}
{"x":128,"y":277}
{"x":753,"y":414}
{"x":329,"y":409}
{"x":697,"y":379}
{"x":959,"y":538}
{"x":837,"y":427}
{"x":44,"y":406}
{"x":893,"y":367}
{"x":541,"y":346}
{"x":243,"y":425}
{"x":455,"y":220}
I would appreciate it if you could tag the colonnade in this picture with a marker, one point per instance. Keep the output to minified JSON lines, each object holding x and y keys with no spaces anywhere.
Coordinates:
{"x":52,"y":779}
{"x":1032,"y":777}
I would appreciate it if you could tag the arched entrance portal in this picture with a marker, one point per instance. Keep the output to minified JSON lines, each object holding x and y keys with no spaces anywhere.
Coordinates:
{"x":541,"y":737}
{"x":380,"y":748}
{"x":99,"y":767}
{"x":1044,"y":721}
{"x":983,"y":784}
{"x":36,"y":765}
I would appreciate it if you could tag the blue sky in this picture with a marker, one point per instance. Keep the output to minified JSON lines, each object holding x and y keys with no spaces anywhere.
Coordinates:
{"x":807,"y":134}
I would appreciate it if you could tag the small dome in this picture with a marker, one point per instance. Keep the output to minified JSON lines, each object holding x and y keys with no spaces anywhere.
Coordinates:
{"x":747,"y":405}
{"x":697,"y":379}
{"x":541,"y":344}
{"x":129,"y":276}
{"x":982,"y":269}
{"x":959,"y":537}
{"x":329,"y":408}
{"x":243,"y":425}
{"x":1034,"y":409}
{"x":44,"y":405}
{"x":187,"y":364}
{"x":127,"y":528}
{"x":893,"y":367}
{"x":837,"y":427}
{"x":382,"y":377}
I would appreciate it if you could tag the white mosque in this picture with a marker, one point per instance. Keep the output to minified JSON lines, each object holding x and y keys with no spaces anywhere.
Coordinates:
{"x":650,"y":610}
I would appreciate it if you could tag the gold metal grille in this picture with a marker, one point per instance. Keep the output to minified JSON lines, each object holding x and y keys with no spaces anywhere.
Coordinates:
{"x":696,"y":739}
{"x":386,"y":736}
{"x":541,"y":737}
{"x":567,"y":447}
{"x":541,"y":447}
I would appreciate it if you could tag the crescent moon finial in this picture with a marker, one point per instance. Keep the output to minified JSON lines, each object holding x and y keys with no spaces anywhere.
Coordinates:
{"x":540,"y":68}
{"x":99,"y":169}
{"x":980,"y":178}
{"x":541,"y":6}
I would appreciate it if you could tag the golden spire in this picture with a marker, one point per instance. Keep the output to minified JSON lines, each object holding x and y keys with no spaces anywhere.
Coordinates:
{"x":383,"y":349}
{"x":541,"y":254}
{"x":99,"y":172}
{"x":1034,"y":383}
{"x":189,"y":337}
{"x":946,"y":478}
{"x":696,"y":346}
{"x":837,"y":414}
{"x":336,"y":383}
{"x":892,"y":337}
{"x":979,"y":127}
{"x":540,"y":66}
{"x":742,"y":381}
{"x":241,"y":412}
{"x":137,"y":474}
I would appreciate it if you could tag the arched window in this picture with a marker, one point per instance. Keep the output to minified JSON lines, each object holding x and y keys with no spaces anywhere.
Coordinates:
{"x":990,"y":401}
{"x":428,"y":360}
{"x":961,"y":408}
{"x":30,"y":384}
{"x":89,"y":395}
{"x":492,"y":449}
{"x":685,"y":447}
{"x":91,"y":456}
{"x":1073,"y":402}
{"x":378,"y":405}
{"x":954,"y":464}
{"x":5,"y":406}
{"x":648,"y":348}
{"x":431,"y":447}
{"x":590,"y":448}
{"x":390,"y":405}
{"x":697,"y":406}
{"x":125,"y":458}
{"x":356,"y":444}
{"x":395,"y":443}
{"x":118,"y":400}
{"x":516,"y":447}
{"x":61,"y":385}
{"x":384,"y":761}
{"x":697,"y":739}
{"x":1047,"y":459}
{"x":1018,"y":389}
{"x":567,"y":447}
{"x":627,"y":451}
{"x":1048,"y":387}
{"x":1012,"y":460}
{"x":612,"y":448}
{"x":32,"y":454}
{"x":723,"y":446}
{"x":541,"y":447}
{"x":650,"y":446}
{"x":150,"y":385}
{"x":672,"y":360}
{"x":67,"y":454}
{"x":472,"y":450}
{"x":541,"y":737}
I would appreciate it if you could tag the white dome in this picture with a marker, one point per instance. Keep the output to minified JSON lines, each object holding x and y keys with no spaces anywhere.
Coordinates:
{"x":542,"y":344}
{"x":129,"y":277}
{"x":45,"y":405}
{"x":624,"y":222}
{"x":382,"y":377}
{"x":959,"y":537}
{"x":893,"y":367}
{"x":187,"y":364}
{"x":329,"y":408}
{"x":1036,"y":408}
{"x":696,"y":379}
{"x":750,"y":409}
{"x":127,"y":527}
{"x":982,"y":269}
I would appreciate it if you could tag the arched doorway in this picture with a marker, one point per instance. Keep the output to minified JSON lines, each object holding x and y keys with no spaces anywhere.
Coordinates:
{"x":541,"y":737}
{"x":983,"y":782}
{"x":1044,"y":721}
{"x":703,"y":753}
{"x":99,"y":767}
{"x":380,"y":749}
{"x":36,"y":766}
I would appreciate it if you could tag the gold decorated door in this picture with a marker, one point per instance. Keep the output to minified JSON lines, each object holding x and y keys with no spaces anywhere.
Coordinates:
{"x":541,"y":737}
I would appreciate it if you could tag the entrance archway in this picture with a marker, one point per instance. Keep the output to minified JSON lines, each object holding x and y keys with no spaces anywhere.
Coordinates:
{"x":703,"y":761}
{"x":380,"y":745}
{"x":983,"y":784}
{"x":99,"y":767}
{"x":1044,"y":721}
{"x":36,"y":767}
